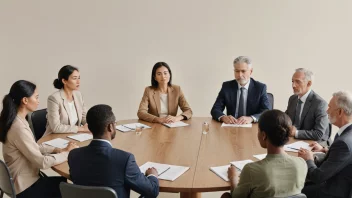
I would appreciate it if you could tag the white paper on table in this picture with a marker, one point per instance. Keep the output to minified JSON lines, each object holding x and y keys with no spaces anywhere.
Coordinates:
{"x":173,"y":173}
{"x":241,"y":164}
{"x":237,"y":125}
{"x":122,"y":128}
{"x":176,"y":124}
{"x":294,"y":147}
{"x":81,"y":137}
{"x":165,"y":171}
{"x":161,"y":168}
{"x":260,"y":156}
{"x":221,"y":171}
{"x":132,"y":126}
{"x":57,"y":142}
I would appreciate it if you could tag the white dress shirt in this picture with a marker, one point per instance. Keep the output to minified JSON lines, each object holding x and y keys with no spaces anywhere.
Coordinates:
{"x":343,"y":128}
{"x":73,"y":112}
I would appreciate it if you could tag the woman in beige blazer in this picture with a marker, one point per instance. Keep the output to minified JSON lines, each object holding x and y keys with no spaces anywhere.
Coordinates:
{"x":66,"y":111}
{"x":22,"y":154}
{"x":160,"y":101}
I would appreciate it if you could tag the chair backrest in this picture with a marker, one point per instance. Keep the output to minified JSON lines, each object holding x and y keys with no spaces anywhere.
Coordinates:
{"x":39,"y":123}
{"x":77,"y":191}
{"x":6,"y":181}
{"x":271,"y":100}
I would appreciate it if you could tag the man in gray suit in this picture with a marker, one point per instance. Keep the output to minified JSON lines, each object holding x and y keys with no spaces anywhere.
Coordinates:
{"x":307,"y":109}
{"x":332,"y":177}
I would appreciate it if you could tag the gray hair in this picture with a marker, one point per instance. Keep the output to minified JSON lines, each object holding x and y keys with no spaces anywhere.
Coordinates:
{"x":243,"y":59}
{"x":308,"y":75}
{"x":344,"y":101}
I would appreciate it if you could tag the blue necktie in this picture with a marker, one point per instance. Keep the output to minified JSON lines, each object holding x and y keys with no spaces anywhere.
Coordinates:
{"x":241,"y":105}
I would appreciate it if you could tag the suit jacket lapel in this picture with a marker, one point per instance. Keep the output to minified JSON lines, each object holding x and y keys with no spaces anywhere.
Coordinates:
{"x":234,"y":97}
{"x":78,"y":108}
{"x":349,"y":128}
{"x":157,"y":100}
{"x":292,"y":108}
{"x":65,"y":102}
{"x":250,"y":95}
{"x":306,"y":107}
{"x":171,"y":100}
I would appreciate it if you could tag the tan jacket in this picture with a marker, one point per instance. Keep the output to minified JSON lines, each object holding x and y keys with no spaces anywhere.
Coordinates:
{"x":149,"y":108}
{"x":25,"y":157}
{"x":59,"y":120}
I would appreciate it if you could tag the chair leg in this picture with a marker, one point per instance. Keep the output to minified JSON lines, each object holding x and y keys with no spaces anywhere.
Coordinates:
{"x":1,"y":194}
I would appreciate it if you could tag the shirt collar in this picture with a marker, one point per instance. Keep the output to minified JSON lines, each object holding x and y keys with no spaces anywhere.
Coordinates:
{"x":343,"y":128}
{"x":246,"y":86}
{"x":102,"y":140}
{"x":305,"y":96}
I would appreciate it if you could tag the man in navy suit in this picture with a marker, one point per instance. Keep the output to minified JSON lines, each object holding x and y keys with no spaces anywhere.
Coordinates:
{"x":244,"y":98}
{"x":99,"y":164}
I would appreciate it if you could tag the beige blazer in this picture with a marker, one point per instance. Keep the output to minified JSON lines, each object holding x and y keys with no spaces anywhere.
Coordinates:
{"x":149,"y":108}
{"x":59,"y":119}
{"x":25,"y":157}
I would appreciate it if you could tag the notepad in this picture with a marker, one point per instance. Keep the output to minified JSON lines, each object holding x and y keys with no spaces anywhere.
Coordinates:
{"x":294,"y":147}
{"x":260,"y":156}
{"x":241,"y":164}
{"x":221,"y":171}
{"x":57,"y":142}
{"x":81,"y":137}
{"x":165,"y":171}
{"x":131,"y":127}
{"x":237,"y":125}
{"x":175,"y":124}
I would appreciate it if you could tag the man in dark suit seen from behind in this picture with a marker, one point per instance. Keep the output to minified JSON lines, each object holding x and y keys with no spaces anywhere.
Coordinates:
{"x":99,"y":164}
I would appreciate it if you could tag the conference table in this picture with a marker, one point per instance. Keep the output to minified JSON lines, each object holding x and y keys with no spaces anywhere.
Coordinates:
{"x":185,"y":146}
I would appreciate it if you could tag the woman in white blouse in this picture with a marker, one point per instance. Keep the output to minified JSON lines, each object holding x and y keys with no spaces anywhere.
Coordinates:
{"x":160,"y":101}
{"x":66,"y":111}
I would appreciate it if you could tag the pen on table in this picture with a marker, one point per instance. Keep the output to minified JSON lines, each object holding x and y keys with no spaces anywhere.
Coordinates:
{"x":293,"y":148}
{"x":164,"y":171}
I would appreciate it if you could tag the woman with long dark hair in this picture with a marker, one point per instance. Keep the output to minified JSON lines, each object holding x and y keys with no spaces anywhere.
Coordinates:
{"x":22,"y":154}
{"x":162,"y":99}
{"x":66,"y":110}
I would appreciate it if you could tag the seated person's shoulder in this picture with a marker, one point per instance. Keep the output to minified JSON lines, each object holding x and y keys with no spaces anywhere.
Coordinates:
{"x":257,"y":83}
{"x":229,"y":84}
{"x":318,"y":99}
{"x":54,"y":96}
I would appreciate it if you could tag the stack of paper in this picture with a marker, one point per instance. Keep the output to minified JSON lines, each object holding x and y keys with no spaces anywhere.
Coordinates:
{"x":165,"y":171}
{"x":294,"y":147}
{"x":131,"y":127}
{"x":57,"y":142}
{"x":241,"y":164}
{"x":176,"y":124}
{"x":237,"y":125}
{"x":260,"y":156}
{"x":81,"y":137}
{"x":221,"y":171}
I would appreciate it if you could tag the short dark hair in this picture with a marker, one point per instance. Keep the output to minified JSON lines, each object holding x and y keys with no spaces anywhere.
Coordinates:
{"x":157,"y":66}
{"x":64,"y":73}
{"x":276,"y":125}
{"x":11,"y":103}
{"x":98,"y":118}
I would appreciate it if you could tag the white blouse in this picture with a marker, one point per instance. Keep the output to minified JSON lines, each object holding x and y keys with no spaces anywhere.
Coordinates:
{"x":163,"y":105}
{"x":73,"y":113}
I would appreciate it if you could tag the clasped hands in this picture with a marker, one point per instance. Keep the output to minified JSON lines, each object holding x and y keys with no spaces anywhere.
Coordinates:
{"x":231,"y":120}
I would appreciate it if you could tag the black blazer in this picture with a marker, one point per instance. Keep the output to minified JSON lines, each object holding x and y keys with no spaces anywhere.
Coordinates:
{"x":257,"y":100}
{"x":98,"y":164}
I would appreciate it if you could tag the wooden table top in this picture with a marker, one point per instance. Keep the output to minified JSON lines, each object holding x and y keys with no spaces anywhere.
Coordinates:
{"x":185,"y":146}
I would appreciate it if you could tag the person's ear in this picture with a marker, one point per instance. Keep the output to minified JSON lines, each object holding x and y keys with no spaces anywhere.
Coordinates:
{"x":25,"y":100}
{"x":309,"y":83}
{"x":111,"y":127}
{"x":264,"y":136}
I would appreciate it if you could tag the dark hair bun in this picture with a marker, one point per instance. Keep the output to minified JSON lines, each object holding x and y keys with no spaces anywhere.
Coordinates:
{"x":58,"y":84}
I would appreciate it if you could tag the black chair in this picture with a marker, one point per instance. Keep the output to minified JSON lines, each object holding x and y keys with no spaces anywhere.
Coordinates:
{"x":271,"y":100}
{"x":39,"y":123}
{"x":76,"y":191}
{"x":6,"y":182}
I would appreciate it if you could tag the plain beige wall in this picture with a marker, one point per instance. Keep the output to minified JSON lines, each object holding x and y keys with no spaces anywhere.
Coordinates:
{"x":116,"y":43}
